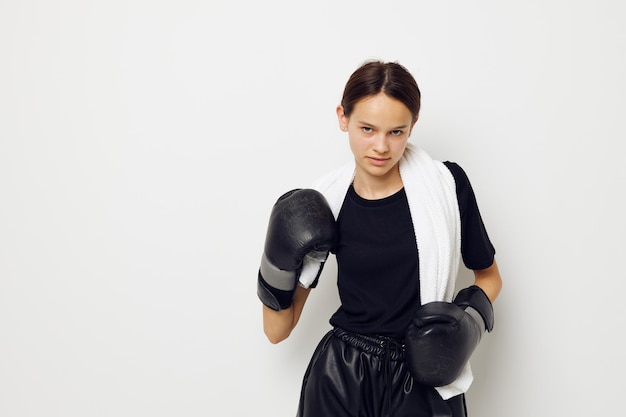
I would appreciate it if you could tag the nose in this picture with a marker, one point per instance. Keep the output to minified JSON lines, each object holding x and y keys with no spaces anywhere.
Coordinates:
{"x":381,"y":144}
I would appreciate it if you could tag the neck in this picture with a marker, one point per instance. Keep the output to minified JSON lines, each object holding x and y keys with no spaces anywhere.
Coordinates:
{"x":375,"y":188}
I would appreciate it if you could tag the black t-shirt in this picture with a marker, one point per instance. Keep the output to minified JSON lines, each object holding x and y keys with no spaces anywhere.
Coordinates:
{"x":378,"y":273}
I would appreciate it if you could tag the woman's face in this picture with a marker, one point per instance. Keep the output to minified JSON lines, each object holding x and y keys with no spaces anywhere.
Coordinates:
{"x":379,"y":128}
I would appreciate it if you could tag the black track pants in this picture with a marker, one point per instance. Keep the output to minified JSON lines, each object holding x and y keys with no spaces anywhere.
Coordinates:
{"x":353,"y":375}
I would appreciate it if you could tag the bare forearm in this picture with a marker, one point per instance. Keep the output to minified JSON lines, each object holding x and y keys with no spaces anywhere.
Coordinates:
{"x":278,"y":325}
{"x":489,"y":280}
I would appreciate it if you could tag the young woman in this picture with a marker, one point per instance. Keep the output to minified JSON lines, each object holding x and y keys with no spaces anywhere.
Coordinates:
{"x":398,"y":223}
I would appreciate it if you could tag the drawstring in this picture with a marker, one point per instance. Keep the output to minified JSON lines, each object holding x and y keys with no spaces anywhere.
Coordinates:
{"x":389,"y":346}
{"x":387,"y":379}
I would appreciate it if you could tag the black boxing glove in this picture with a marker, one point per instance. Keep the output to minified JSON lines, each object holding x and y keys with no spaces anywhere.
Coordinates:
{"x":301,"y":228}
{"x":442,"y":336}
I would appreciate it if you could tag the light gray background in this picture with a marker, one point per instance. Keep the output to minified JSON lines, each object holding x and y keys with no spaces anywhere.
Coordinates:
{"x":142,"y":144}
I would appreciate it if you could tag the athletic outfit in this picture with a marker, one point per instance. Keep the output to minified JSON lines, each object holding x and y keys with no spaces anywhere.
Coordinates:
{"x":358,"y":368}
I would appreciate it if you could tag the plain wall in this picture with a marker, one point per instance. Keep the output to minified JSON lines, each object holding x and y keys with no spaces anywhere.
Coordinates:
{"x":143,"y":143}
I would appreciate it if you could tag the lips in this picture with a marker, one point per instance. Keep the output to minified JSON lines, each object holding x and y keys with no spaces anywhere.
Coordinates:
{"x":378,"y":161}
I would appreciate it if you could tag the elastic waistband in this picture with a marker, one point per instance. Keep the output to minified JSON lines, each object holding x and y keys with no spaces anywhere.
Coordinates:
{"x":377,"y":345}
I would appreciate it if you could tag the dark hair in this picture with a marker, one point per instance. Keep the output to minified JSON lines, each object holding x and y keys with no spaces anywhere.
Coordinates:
{"x":375,"y":77}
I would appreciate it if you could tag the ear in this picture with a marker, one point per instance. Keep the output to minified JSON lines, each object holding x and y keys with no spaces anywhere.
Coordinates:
{"x":342,"y":118}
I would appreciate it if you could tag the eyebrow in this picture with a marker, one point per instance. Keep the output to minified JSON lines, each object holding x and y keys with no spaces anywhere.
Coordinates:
{"x":371,"y":125}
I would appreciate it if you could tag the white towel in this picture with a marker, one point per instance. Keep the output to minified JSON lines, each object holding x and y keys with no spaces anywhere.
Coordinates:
{"x":431,"y":193}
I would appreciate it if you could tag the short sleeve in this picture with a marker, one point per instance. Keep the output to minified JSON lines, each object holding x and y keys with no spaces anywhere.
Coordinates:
{"x":476,"y":248}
